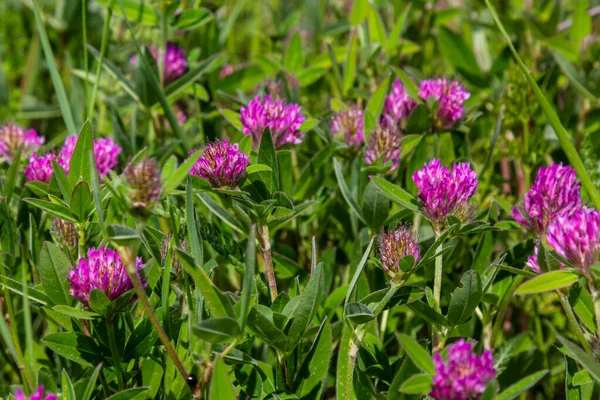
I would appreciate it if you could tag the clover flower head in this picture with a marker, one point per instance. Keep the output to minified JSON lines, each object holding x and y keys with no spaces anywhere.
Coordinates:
{"x":445,"y":192}
{"x":349,"y":124}
{"x":40,"y":168}
{"x":106,"y":153}
{"x":103,"y":270}
{"x":13,"y":136}
{"x":450,"y":96}
{"x":396,"y":244}
{"x":464,"y":375}
{"x":398,"y":105}
{"x":145,"y":183}
{"x":555,"y":191}
{"x":384,"y":147}
{"x":37,"y":395}
{"x":222,"y":164}
{"x":66,"y":231}
{"x":282,"y":119}
{"x":575,"y":236}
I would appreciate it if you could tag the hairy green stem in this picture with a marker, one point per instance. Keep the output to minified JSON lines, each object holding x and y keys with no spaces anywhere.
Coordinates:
{"x":573,"y":321}
{"x":114,"y":350}
{"x":143,"y":299}
{"x":265,"y":245}
{"x":439,"y":266}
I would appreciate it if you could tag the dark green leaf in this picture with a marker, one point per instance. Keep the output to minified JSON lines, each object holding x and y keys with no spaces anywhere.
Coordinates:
{"x":513,"y":391}
{"x":217,"y":330}
{"x":76,"y":347}
{"x":417,"y":384}
{"x":465,"y":298}
{"x":220,"y":385}
{"x":548,"y":281}
{"x":54,"y":270}
{"x":80,"y":166}
{"x":417,"y":354}
{"x":358,"y":313}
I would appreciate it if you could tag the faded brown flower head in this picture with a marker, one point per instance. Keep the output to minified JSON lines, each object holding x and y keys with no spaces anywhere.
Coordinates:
{"x":145,"y":183}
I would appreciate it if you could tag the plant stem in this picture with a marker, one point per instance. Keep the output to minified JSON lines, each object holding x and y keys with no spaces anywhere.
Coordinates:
{"x":596,"y":299}
{"x":573,"y":321}
{"x":116,"y":358}
{"x":139,"y":289}
{"x":265,"y":245}
{"x":103,"y":45}
{"x":439,"y":266}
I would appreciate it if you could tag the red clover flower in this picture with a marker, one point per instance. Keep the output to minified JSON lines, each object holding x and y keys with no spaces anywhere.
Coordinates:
{"x":13,"y":136}
{"x":349,"y":124}
{"x":398,"y":105}
{"x":145,"y":183}
{"x":395,"y":245}
{"x":103,"y":269}
{"x":37,"y":395}
{"x":445,"y":192}
{"x":464,"y":376}
{"x":384,"y":147}
{"x":222,"y":164}
{"x":450,"y":96}
{"x":282,"y":119}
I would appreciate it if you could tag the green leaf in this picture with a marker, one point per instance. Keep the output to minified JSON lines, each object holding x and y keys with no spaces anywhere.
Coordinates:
{"x":220,"y":212}
{"x":583,"y":305}
{"x":268,"y":157}
{"x":396,"y":194}
{"x":376,"y":28}
{"x":553,"y":119}
{"x":220,"y":385}
{"x":181,"y":172}
{"x":457,"y":51}
{"x":465,"y":298}
{"x":217,"y":330}
{"x":426,"y":312}
{"x":194,"y":239}
{"x":419,"y":356}
{"x":218,"y":304}
{"x":417,"y":384}
{"x":346,"y":194}
{"x":585,"y":360}
{"x":233,"y":118}
{"x":548,"y":281}
{"x":99,"y":302}
{"x":80,"y":166}
{"x":404,"y":295}
{"x":582,"y":23}
{"x":409,"y":85}
{"x":57,"y":210}
{"x":193,"y":19}
{"x":91,"y":386}
{"x":375,"y":105}
{"x":75,"y":312}
{"x":122,"y":235}
{"x":293,"y":59}
{"x":67,"y":387}
{"x":351,"y":61}
{"x":129,"y":394}
{"x":265,"y":330}
{"x":136,"y":10}
{"x":54,"y":269}
{"x":375,"y":207}
{"x":59,"y":88}
{"x":418,"y":121}
{"x":309,"y":302}
{"x":248,"y":285}
{"x":345,"y":366}
{"x":75,"y":347}
{"x":313,"y":372}
{"x":358,"y":313}
{"x":81,"y":202}
{"x":189,"y":78}
{"x":513,"y":391}
{"x":11,"y":176}
{"x":142,"y":339}
{"x":358,"y":271}
{"x":360,"y":10}
{"x":396,"y":33}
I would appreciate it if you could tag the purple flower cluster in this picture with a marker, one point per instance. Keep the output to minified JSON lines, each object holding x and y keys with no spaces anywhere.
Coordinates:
{"x":450,"y":96}
{"x":40,"y":168}
{"x":464,"y":376}
{"x":282,"y":119}
{"x":13,"y":136}
{"x":576,"y":237}
{"x":398,"y":105}
{"x":349,"y":124}
{"x":222,"y":164}
{"x":395,"y":245}
{"x":384,"y":147}
{"x":103,"y":269}
{"x":175,"y":63}
{"x":445,"y":192}
{"x":37,"y":395}
{"x":144,"y":181}
{"x":554,"y":191}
